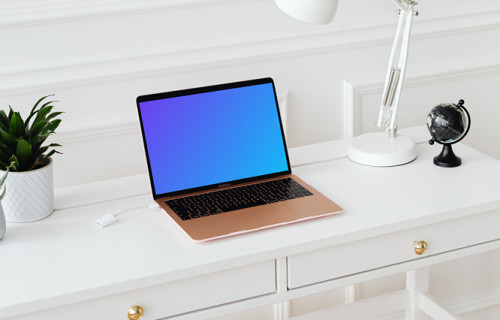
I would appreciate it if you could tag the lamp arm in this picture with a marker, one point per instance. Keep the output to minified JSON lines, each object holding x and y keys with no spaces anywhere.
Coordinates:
{"x":403,"y":63}
{"x":405,"y":4}
{"x":396,"y":71}
{"x":391,"y":80}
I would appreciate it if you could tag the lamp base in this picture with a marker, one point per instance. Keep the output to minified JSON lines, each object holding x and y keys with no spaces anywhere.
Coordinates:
{"x":379,"y":150}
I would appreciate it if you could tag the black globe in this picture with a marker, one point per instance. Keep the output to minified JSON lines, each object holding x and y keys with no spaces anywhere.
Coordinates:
{"x":448,"y":123}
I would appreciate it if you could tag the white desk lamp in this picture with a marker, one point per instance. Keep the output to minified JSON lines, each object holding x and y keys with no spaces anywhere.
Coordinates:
{"x":378,"y":148}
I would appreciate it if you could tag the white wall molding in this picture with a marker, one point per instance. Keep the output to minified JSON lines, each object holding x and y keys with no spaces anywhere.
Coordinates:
{"x":40,"y":12}
{"x":188,"y":58}
{"x":136,"y":65}
{"x":97,"y":129}
{"x":480,"y":20}
{"x":36,"y":12}
{"x":355,"y":89}
{"x":74,"y":72}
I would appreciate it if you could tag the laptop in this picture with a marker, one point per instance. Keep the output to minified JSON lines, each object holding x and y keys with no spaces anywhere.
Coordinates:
{"x":218,"y":162}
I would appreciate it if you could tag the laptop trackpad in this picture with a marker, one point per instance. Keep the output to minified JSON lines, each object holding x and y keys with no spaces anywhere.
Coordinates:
{"x":261,"y":216}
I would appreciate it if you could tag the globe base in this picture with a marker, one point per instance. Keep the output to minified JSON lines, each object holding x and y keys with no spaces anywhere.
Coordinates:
{"x":447,"y":158}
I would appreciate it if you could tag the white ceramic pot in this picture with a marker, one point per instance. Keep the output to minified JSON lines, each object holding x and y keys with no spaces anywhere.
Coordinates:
{"x":30,"y":195}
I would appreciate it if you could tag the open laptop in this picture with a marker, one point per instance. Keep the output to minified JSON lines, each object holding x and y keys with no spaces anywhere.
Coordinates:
{"x":218,"y":162}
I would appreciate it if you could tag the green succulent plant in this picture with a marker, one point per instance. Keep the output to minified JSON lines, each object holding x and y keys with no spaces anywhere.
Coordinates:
{"x":22,"y":142}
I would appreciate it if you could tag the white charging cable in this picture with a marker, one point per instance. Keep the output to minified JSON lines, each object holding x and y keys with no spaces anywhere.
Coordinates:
{"x":111,"y":218}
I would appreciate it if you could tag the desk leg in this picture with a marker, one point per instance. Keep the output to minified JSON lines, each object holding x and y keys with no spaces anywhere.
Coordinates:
{"x":417,"y":282}
{"x":431,"y":307}
{"x":423,"y":305}
{"x":281,"y":309}
{"x":353,"y":293}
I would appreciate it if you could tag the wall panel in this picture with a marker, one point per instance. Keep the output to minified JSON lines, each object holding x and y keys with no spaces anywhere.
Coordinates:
{"x":97,"y":56}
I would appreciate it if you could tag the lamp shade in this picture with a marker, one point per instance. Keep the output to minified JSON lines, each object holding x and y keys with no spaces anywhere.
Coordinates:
{"x":312,"y":11}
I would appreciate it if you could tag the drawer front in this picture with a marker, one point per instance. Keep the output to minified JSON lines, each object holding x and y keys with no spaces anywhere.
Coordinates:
{"x":367,"y":254}
{"x":173,"y":298}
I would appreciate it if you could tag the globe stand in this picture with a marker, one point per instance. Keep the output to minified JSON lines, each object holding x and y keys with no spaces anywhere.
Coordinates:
{"x":447,"y":158}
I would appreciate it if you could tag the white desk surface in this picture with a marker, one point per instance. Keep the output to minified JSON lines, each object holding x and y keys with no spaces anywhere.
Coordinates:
{"x":66,"y":258}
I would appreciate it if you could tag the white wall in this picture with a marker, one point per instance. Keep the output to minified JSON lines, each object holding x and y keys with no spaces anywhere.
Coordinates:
{"x":98,"y":56}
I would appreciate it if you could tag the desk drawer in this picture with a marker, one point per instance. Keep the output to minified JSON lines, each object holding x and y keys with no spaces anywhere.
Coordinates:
{"x":173,"y":298}
{"x":371,"y":253}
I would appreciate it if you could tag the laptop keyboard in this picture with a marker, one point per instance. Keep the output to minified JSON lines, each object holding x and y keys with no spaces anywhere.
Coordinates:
{"x":211,"y":203}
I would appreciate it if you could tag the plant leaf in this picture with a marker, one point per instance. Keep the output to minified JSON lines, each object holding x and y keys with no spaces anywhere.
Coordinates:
{"x":4,"y":156}
{"x":41,"y":99}
{"x":36,"y":129}
{"x":24,"y":154}
{"x":42,"y":150}
{"x":8,"y":139}
{"x":3,"y":193}
{"x":32,"y":112}
{"x":42,"y":113}
{"x":53,"y":125}
{"x":46,"y":104}
{"x":51,"y":153}
{"x":2,"y":180}
{"x":4,"y":147}
{"x":4,"y":120}
{"x":14,"y":163}
{"x":4,"y":165}
{"x":54,"y":145}
{"x":53,"y":115}
{"x":37,"y":141}
{"x":17,"y":127}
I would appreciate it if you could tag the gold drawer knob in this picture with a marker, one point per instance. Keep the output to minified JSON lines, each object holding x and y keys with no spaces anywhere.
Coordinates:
{"x":135,"y":312}
{"x":420,"y":247}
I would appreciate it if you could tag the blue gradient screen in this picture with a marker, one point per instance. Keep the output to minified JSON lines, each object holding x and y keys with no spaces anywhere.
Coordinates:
{"x":213,"y":137}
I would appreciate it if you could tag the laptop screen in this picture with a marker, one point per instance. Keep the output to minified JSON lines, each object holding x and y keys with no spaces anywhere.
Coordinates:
{"x":204,"y":137}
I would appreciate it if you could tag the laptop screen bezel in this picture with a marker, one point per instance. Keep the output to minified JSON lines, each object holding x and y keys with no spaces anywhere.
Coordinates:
{"x":198,"y":90}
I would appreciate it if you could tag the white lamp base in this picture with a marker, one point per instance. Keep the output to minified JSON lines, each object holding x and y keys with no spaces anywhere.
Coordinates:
{"x":379,"y":150}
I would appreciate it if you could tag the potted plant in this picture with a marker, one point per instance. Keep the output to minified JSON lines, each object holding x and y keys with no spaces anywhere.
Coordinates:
{"x":25,"y":154}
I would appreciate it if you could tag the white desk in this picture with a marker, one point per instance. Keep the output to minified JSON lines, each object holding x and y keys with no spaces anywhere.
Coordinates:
{"x":64,"y":267}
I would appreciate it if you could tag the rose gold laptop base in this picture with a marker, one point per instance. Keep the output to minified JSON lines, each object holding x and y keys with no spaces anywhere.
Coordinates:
{"x":255,"y":218}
